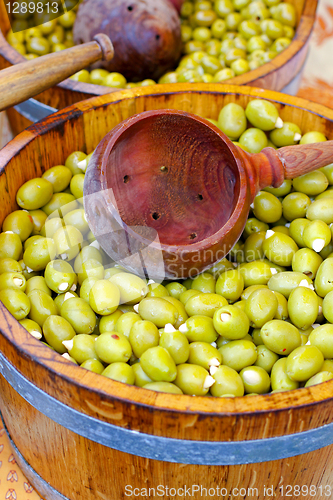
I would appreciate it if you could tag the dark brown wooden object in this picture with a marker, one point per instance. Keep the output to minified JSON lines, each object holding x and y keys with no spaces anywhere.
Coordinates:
{"x":274,"y":75}
{"x":145,"y":33}
{"x":171,"y":185}
{"x":177,"y":3}
{"x":83,"y":469}
{"x":27,"y":79}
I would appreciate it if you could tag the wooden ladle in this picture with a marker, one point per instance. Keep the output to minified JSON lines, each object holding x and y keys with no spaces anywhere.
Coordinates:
{"x":27,"y":79}
{"x":167,"y":194}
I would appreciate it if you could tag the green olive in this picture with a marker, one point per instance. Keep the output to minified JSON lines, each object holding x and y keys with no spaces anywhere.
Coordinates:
{"x":125,"y":322}
{"x":204,"y":304}
{"x":93,"y":365}
{"x":321,"y":209}
{"x":141,"y":378}
{"x":266,"y":358}
{"x":279,"y":248}
{"x":255,"y":380}
{"x":158,"y":311}
{"x":8,"y":265}
{"x":79,"y":314}
{"x":204,"y":354}
{"x":287,"y":135}
{"x":261,"y":307}
{"x":204,"y":282}
{"x":232,"y":120}
{"x":38,"y":45}
{"x":76,"y":185}
{"x":158,"y":364}
{"x":177,"y":345}
{"x":132,"y":288}
{"x":193,"y":379}
{"x":304,"y":362}
{"x":280,"y":381}
{"x":163,"y":387}
{"x":182,"y":314}
{"x":59,"y":276}
{"x":231,"y":322}
{"x":108,"y":323}
{"x":280,"y":337}
{"x":230,"y":285}
{"x":306,"y":261}
{"x":254,"y":140}
{"x":60,"y":204}
{"x":56,"y":329}
{"x":322,"y":337}
{"x":143,"y":335}
{"x":59,"y":176}
{"x":13,"y":280}
{"x":320,"y":377}
{"x":32,"y":327}
{"x":199,"y":329}
{"x":20,"y":222}
{"x":324,"y":278}
{"x":255,"y":273}
{"x":260,"y":113}
{"x":39,"y":254}
{"x":68,"y":241}
{"x":34,"y":194}
{"x":120,"y":371}
{"x":238,"y":354}
{"x":112,"y":347}
{"x":81,"y":347}
{"x":303,"y":307}
{"x":16,"y":301}
{"x":42,"y":306}
{"x":227,"y":381}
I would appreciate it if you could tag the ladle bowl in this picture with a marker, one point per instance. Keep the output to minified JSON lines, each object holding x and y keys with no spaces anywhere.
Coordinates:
{"x":113,"y":434}
{"x":167,"y":194}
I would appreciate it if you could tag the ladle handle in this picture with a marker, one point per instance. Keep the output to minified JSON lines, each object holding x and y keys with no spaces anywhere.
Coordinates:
{"x":304,"y":158}
{"x":25,"y":80}
{"x":271,"y":166}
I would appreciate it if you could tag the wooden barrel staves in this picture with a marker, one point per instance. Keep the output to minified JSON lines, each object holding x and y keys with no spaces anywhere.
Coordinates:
{"x":278,"y":74}
{"x":78,"y":435}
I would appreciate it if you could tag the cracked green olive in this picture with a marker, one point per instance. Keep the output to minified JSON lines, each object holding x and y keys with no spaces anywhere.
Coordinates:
{"x":158,"y":364}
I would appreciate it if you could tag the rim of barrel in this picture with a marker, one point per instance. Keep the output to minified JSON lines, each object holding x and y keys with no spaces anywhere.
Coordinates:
{"x":302,"y":35}
{"x":25,"y":344}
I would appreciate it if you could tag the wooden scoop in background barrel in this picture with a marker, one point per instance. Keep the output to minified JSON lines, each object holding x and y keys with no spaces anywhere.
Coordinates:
{"x":146,"y":34}
{"x":25,"y":80}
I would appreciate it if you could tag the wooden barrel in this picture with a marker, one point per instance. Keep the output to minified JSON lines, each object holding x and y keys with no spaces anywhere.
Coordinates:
{"x":81,"y":436}
{"x":275,"y":75}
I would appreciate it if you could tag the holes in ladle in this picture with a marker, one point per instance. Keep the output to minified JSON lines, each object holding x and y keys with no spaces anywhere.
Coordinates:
{"x":193,"y":235}
{"x":200,"y":197}
{"x":158,"y":37}
{"x":156,"y":216}
{"x":130,"y":8}
{"x":126,"y":179}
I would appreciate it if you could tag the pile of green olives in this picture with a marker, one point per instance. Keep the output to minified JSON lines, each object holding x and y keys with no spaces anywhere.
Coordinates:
{"x":258,"y":321}
{"x":221,"y":39}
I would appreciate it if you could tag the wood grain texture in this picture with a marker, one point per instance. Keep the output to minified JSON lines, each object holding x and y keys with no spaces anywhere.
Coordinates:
{"x":46,"y":144}
{"x":85,"y":470}
{"x":5,"y":132}
{"x":299,"y":160}
{"x":274,"y":75}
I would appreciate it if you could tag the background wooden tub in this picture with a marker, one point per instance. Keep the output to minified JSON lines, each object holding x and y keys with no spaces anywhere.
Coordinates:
{"x":275,"y":75}
{"x":80,"y":436}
